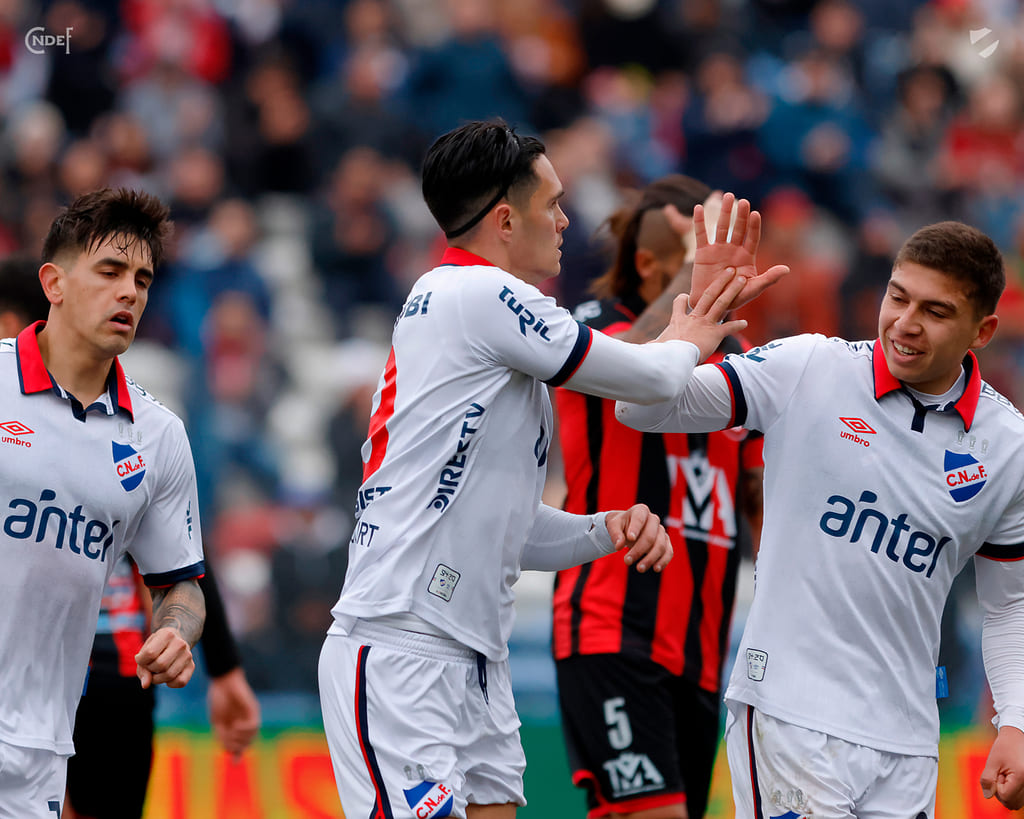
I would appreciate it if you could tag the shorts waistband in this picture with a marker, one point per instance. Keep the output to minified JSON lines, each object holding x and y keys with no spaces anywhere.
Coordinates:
{"x":426,"y":645}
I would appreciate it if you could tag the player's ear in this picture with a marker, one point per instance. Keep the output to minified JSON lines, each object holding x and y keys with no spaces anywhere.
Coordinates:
{"x":646,"y":263}
{"x":986,"y":329}
{"x":51,"y":277}
{"x":503,"y":217}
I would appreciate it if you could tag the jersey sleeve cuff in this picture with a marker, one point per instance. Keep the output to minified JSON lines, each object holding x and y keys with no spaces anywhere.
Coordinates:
{"x":161,"y":580}
{"x":1012,"y":716}
{"x":598,"y":533}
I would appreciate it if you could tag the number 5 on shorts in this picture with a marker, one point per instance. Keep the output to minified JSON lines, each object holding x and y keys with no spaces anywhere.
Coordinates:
{"x":620,"y":734}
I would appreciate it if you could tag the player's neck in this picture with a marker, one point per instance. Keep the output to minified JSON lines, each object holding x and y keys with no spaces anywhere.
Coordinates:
{"x":72,"y":365}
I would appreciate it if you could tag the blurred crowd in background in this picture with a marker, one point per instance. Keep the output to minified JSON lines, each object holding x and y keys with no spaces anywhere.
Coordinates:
{"x":286,"y":136}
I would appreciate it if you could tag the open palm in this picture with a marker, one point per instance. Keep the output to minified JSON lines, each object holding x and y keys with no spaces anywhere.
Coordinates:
{"x":737,"y":251}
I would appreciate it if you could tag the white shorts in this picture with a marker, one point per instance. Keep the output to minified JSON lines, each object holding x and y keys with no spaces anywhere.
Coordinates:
{"x":780,"y":769}
{"x":417,"y":726}
{"x":31,"y":782}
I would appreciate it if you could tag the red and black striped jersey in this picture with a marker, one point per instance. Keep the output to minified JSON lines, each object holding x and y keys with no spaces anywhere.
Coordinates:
{"x":679,"y":618}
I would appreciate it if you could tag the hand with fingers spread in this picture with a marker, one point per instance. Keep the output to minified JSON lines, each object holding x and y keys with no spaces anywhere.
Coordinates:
{"x":640,"y":531}
{"x":737,"y":250}
{"x":704,"y":325}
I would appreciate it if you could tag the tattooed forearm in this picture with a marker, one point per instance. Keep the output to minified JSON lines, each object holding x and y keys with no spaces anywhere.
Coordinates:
{"x":181,"y":607}
{"x":656,"y":315}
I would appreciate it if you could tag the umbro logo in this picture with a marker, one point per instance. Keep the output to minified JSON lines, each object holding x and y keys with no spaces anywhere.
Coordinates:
{"x":858,"y":425}
{"x":855,"y":428}
{"x":10,"y":432}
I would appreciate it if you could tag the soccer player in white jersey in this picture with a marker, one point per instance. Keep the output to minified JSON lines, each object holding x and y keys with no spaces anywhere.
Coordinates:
{"x":414,"y":678}
{"x":91,"y":466}
{"x":888,"y":465}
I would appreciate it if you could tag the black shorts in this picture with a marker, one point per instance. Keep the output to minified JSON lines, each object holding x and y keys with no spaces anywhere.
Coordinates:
{"x":109,"y":773}
{"x":637,"y":736}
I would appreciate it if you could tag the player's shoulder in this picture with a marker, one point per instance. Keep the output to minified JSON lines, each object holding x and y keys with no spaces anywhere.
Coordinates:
{"x":1001,"y":410}
{"x":148,"y":408}
{"x":7,"y":345}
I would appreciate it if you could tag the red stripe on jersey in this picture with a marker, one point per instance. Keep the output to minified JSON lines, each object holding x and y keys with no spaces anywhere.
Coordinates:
{"x":378,"y":435}
{"x":674,"y":609}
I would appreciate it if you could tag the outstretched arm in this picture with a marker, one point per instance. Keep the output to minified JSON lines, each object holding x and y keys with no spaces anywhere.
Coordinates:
{"x":166,"y":656}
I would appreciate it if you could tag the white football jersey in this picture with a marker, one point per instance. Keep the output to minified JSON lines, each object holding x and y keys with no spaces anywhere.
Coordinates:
{"x":873,"y":504}
{"x":454,"y":464}
{"x":78,"y":487}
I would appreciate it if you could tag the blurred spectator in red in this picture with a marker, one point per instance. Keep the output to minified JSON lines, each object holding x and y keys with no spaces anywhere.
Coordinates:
{"x":187,"y":33}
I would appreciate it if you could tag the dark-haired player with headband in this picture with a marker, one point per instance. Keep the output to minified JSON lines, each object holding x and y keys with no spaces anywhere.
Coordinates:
{"x":91,"y":467}
{"x":639,"y":656}
{"x":414,"y":677}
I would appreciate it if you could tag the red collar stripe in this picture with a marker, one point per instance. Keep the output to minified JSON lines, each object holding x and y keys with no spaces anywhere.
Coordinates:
{"x":966,"y":405}
{"x":463,"y":258}
{"x":34,"y":376}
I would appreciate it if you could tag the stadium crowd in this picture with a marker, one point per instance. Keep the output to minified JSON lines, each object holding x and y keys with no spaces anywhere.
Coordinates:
{"x":286,"y":137}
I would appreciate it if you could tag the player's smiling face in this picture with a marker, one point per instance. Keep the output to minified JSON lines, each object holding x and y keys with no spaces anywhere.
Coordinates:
{"x":104,"y":293}
{"x":926,"y":325}
{"x":535,"y":254}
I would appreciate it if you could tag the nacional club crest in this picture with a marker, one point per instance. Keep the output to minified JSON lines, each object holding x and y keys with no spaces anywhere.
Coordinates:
{"x":128,"y":465}
{"x":965,"y":476}
{"x":430,"y":800}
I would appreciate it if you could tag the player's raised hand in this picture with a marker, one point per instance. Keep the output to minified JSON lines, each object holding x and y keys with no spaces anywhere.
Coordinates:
{"x":640,"y":531}
{"x":1003,"y":776}
{"x":736,"y":249}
